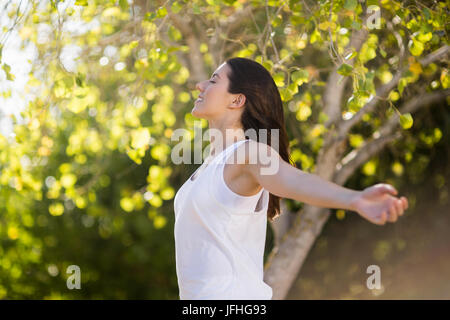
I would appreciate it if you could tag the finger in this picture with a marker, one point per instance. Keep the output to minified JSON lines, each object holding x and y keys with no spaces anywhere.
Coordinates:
{"x":399,"y":204}
{"x":392,"y":218}
{"x":392,"y":213}
{"x":402,"y":199}
{"x":390,"y":189}
{"x":405,"y":203}
{"x":383,"y":218}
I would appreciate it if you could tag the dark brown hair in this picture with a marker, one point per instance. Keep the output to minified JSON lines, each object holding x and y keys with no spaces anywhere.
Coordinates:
{"x":263,"y":109}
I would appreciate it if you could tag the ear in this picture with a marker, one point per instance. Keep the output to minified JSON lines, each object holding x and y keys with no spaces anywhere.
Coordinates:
{"x":238,"y":100}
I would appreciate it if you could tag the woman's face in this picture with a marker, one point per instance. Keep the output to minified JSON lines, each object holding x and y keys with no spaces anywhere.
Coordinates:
{"x":214,"y":97}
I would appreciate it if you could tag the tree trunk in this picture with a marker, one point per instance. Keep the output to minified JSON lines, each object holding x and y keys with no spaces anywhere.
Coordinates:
{"x":288,"y":255}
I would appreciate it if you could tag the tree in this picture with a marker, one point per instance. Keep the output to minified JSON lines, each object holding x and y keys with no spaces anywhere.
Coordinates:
{"x":351,"y":74}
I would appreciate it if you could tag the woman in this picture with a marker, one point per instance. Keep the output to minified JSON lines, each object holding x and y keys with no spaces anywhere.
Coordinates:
{"x":221,"y":211}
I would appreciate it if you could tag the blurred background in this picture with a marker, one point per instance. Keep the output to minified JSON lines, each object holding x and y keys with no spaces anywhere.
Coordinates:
{"x":91,"y":92}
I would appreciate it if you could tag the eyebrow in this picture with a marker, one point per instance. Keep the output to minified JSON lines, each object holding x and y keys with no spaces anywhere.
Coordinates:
{"x":215,"y":74}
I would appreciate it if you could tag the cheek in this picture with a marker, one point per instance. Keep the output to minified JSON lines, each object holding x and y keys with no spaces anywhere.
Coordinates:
{"x":217,"y":94}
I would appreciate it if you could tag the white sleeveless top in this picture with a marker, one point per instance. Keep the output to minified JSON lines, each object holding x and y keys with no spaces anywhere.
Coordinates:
{"x":220,"y":236}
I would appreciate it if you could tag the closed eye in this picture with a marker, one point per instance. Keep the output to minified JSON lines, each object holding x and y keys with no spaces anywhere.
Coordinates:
{"x":212,"y":81}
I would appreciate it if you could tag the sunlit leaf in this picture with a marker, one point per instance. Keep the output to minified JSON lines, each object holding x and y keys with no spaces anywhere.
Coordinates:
{"x":56,"y":209}
{"x":140,"y":138}
{"x":345,"y":69}
{"x":350,"y":4}
{"x":406,"y":120}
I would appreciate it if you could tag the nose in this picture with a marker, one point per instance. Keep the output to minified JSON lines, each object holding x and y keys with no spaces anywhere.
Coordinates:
{"x":198,"y":86}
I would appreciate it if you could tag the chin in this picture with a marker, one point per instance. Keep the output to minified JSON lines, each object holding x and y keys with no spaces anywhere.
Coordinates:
{"x":198,"y":113}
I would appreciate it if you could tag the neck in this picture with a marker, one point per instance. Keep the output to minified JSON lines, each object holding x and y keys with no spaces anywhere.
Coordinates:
{"x":224,"y":136}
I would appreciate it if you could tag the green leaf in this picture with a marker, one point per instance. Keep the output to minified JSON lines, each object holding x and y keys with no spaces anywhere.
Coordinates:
{"x":345,"y":69}
{"x":140,"y":138}
{"x":54,"y":3}
{"x":402,"y":84}
{"x":79,"y":79}
{"x":176,"y":7}
{"x":297,"y":20}
{"x":415,"y":47}
{"x":161,"y":13}
{"x":350,"y":4}
{"x":293,"y":88}
{"x":56,"y":209}
{"x":268,"y":65}
{"x":354,"y":103}
{"x":127,"y":204}
{"x":300,"y":76}
{"x":427,"y":13}
{"x":134,"y":155}
{"x":367,"y":53}
{"x":406,"y":120}
{"x":279,"y":79}
{"x":123,"y":5}
{"x":425,"y":37}
{"x":81,"y":3}
{"x":150,"y":16}
{"x":7,"y":69}
{"x":285,"y":94}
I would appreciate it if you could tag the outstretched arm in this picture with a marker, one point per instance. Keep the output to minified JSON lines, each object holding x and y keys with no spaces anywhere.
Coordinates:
{"x":376,"y":204}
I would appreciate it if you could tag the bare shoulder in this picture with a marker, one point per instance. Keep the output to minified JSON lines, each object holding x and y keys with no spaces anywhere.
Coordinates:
{"x":256,"y":152}
{"x":254,"y":156}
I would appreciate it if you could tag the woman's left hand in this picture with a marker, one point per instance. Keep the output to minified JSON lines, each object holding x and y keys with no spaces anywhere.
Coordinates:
{"x":377,"y":204}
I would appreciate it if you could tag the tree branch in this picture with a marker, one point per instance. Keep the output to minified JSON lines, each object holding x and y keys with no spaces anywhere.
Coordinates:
{"x":195,"y":56}
{"x":384,"y":90}
{"x":334,"y":89}
{"x":268,"y":29}
{"x":234,"y":21}
{"x":386,"y":134}
{"x":356,"y":158}
{"x":435,"y":55}
{"x":286,"y":260}
{"x":412,"y":105}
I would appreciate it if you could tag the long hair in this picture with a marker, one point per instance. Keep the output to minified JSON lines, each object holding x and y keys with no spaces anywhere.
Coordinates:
{"x":263,"y":109}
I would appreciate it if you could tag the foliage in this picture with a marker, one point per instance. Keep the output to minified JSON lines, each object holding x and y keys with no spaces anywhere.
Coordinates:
{"x":86,"y":177}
